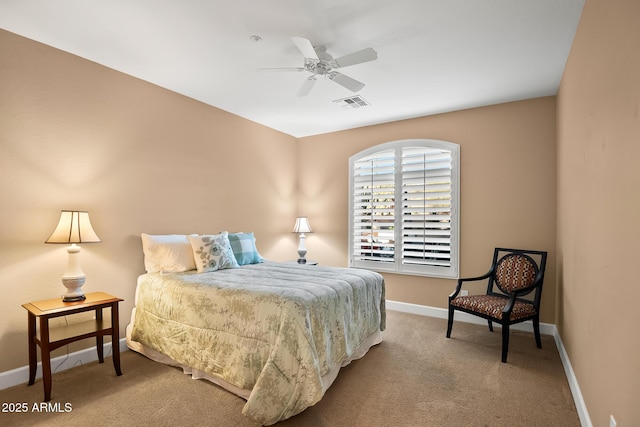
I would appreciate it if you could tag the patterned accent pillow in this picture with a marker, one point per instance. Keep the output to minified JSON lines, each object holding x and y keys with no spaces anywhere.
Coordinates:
{"x":244,"y":248}
{"x":212,"y":252}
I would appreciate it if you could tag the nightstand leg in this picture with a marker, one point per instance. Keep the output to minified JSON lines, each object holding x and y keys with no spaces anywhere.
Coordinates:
{"x":46,"y":357}
{"x":33,"y":358}
{"x":115,"y":337}
{"x":99,"y":338}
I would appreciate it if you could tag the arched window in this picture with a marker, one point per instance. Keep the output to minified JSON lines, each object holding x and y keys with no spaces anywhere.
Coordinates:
{"x":404,"y":208}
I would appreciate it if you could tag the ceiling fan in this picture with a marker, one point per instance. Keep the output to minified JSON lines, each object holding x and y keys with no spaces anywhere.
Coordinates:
{"x":320,"y":63}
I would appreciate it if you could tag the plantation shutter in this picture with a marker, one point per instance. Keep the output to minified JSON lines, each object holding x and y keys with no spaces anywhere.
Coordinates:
{"x":426,"y":207}
{"x":403,"y":209}
{"x":373,"y":208}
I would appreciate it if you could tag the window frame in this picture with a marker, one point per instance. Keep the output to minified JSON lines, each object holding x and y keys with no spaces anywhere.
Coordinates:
{"x":398,"y":266}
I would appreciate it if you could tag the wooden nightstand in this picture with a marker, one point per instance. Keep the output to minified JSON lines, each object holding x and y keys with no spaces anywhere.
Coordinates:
{"x":51,"y":340}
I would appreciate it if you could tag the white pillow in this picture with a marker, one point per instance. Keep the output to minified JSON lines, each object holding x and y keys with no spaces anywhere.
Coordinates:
{"x":169,"y":253}
{"x":212,"y":252}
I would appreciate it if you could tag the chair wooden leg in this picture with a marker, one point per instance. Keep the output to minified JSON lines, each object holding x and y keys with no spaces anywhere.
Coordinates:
{"x":505,"y":342}
{"x":490,"y":325}
{"x":536,"y":331}
{"x":450,"y":322}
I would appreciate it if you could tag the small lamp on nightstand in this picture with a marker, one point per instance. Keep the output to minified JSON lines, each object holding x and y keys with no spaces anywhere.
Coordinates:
{"x":302,"y":226}
{"x":73,"y":227}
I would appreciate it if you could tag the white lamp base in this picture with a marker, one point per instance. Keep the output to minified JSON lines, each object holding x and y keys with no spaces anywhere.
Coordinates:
{"x":302,"y":250}
{"x":74,"y":289}
{"x":74,"y":277}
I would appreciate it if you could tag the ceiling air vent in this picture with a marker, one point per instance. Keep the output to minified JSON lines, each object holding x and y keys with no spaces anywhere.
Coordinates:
{"x":351,"y":102}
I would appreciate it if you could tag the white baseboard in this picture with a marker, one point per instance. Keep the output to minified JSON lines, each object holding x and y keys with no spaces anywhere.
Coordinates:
{"x":58,"y":364}
{"x":443,"y":313}
{"x":585,"y":420}
{"x":545,"y":328}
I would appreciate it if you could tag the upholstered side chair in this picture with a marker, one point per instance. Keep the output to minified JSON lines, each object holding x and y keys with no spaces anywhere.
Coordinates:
{"x":514,"y":275}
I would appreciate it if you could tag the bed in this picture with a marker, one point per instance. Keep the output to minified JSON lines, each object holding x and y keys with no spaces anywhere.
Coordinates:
{"x":275,"y":334}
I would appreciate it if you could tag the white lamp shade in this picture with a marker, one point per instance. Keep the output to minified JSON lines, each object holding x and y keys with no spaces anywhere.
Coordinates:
{"x":302,"y":225}
{"x":73,"y":227}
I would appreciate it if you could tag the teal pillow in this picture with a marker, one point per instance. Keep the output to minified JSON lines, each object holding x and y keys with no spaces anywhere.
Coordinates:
{"x":244,"y":248}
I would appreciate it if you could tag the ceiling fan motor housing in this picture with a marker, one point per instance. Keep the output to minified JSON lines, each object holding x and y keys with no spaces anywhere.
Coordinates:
{"x":323,"y":64}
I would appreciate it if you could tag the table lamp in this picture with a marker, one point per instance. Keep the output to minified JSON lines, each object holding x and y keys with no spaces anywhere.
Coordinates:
{"x":302,"y":226}
{"x":73,"y":227}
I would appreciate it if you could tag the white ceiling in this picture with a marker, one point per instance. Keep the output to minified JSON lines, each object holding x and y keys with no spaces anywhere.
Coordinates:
{"x":434,"y":56}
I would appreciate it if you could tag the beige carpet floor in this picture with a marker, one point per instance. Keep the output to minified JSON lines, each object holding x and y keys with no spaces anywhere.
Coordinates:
{"x":415,"y":377}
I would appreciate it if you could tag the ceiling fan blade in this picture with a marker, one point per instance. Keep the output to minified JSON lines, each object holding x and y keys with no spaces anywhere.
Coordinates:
{"x":282,"y":69}
{"x":364,"y":55}
{"x":351,"y":84}
{"x":305,"y":47}
{"x":307,"y":86}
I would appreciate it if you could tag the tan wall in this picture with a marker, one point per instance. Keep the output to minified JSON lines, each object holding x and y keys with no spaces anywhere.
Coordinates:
{"x":599,"y":209}
{"x":508,"y":189}
{"x":76,"y":135}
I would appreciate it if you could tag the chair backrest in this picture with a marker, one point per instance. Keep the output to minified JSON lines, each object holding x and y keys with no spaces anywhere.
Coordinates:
{"x":515,"y":272}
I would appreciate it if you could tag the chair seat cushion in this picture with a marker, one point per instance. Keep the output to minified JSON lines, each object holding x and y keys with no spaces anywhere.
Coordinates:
{"x":491,"y":305}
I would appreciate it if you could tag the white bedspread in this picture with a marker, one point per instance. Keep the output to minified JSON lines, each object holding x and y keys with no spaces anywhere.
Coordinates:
{"x":276,"y":329}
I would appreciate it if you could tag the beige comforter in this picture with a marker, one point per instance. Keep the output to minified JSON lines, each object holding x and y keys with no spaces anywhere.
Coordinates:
{"x":273,"y":328}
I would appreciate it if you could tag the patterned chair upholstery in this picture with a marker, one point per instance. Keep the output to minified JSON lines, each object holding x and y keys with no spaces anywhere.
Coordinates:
{"x":514,"y":274}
